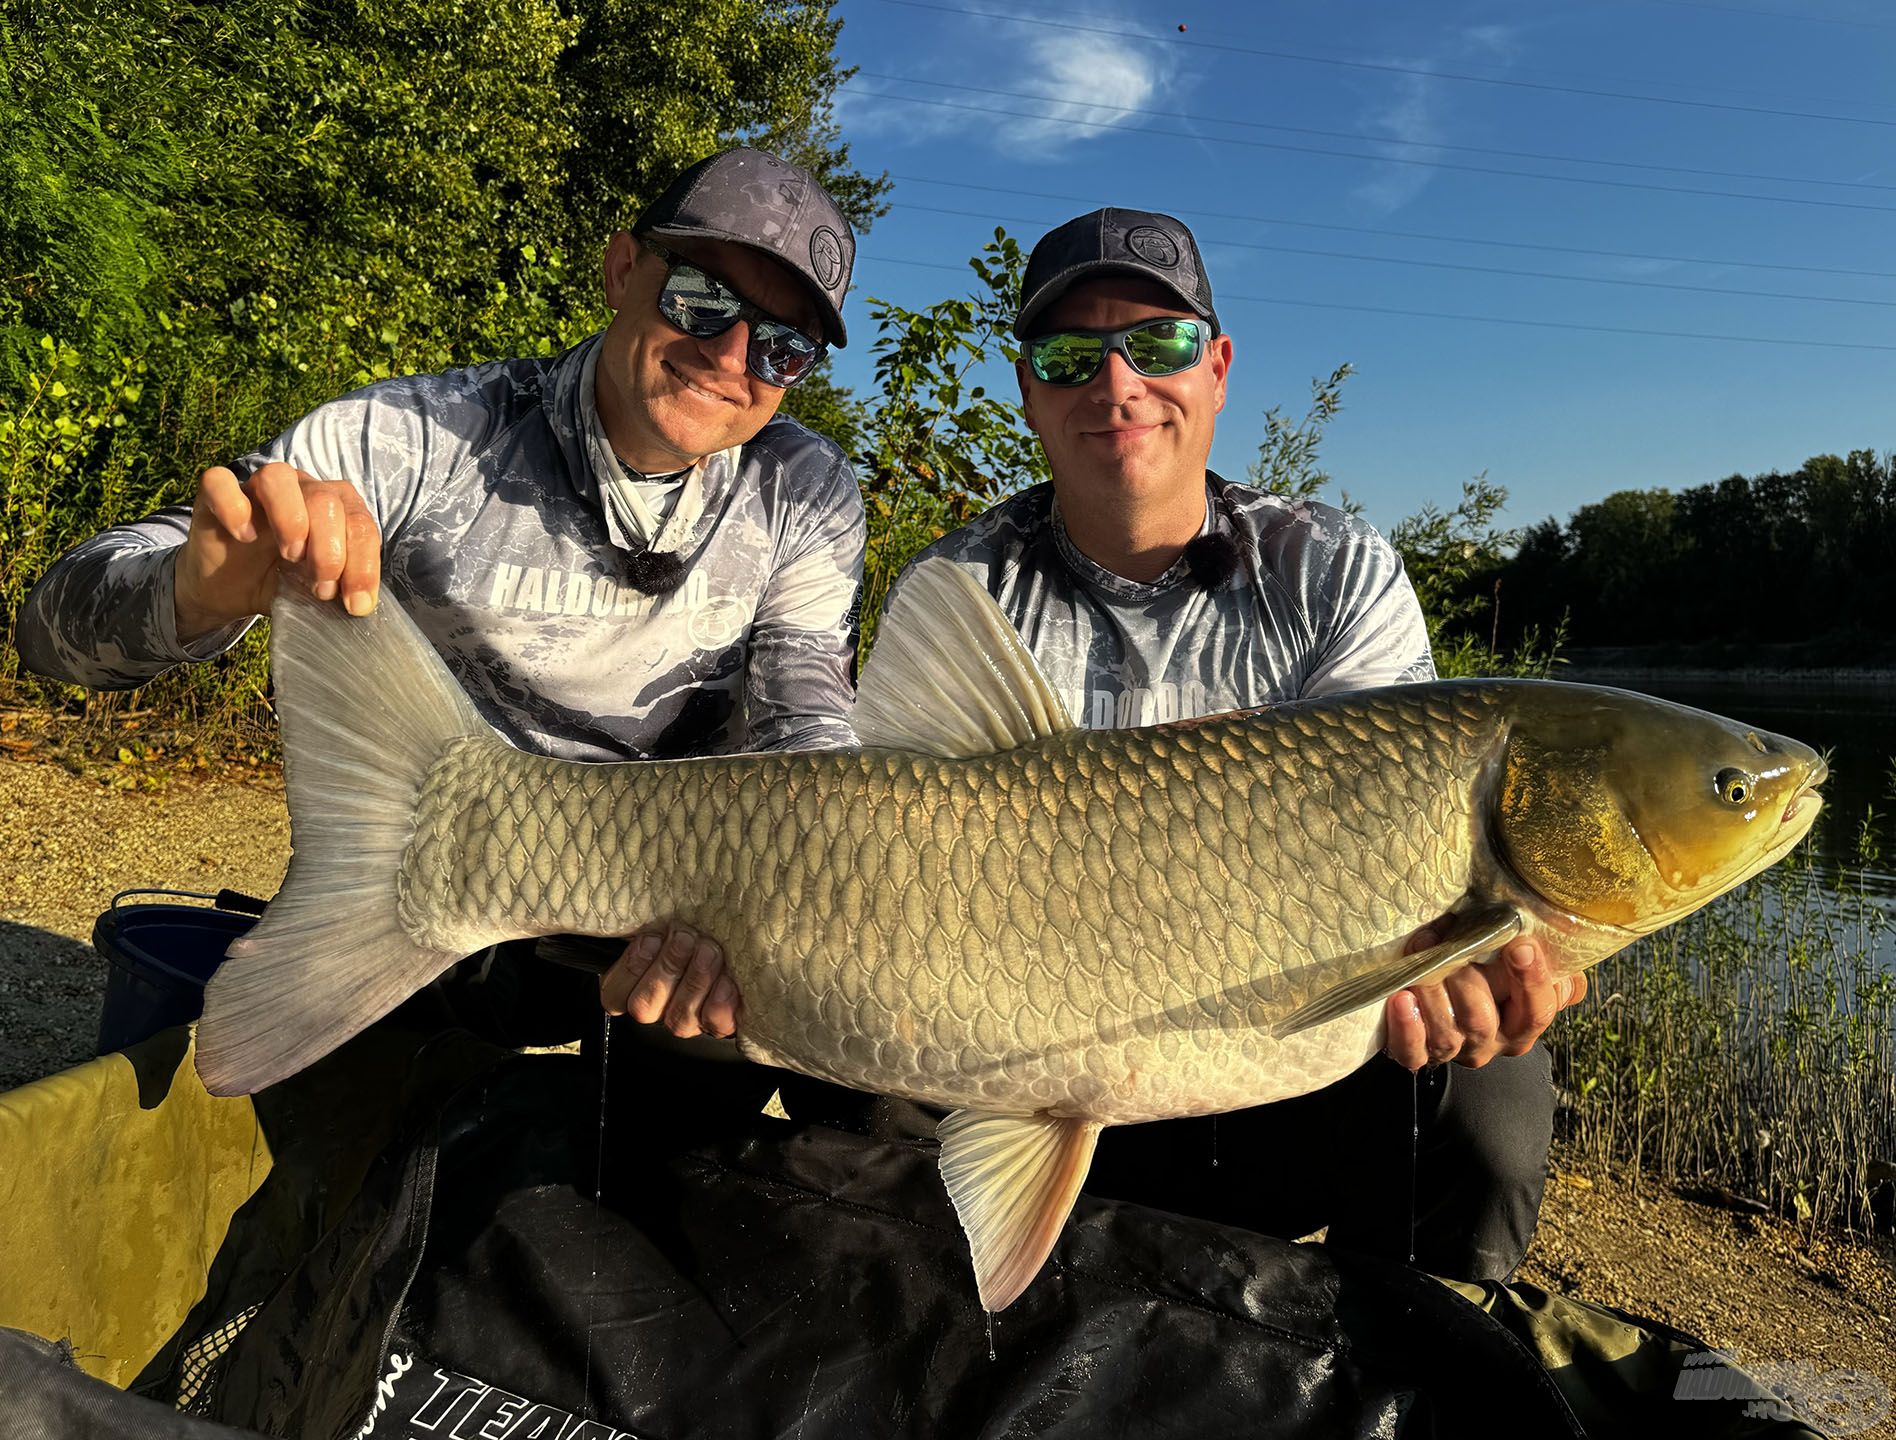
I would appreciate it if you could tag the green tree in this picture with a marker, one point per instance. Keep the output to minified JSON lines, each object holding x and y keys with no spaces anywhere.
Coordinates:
{"x":1627,"y":554}
{"x":1286,"y":461}
{"x":657,"y":89}
{"x":1455,"y":560}
{"x":829,"y":409}
{"x":290,"y":198}
{"x":940,"y":446}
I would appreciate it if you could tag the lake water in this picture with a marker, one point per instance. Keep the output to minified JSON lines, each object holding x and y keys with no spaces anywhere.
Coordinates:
{"x":1856,"y":721}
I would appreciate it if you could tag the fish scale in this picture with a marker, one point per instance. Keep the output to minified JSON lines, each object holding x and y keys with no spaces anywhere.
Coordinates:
{"x":1055,"y":922}
{"x":1045,"y":929}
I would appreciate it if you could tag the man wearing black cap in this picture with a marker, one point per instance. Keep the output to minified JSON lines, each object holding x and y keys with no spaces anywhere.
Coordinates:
{"x":1150,"y":589}
{"x":619,"y":551}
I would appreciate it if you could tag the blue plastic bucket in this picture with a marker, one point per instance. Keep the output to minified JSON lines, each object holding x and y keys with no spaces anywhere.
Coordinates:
{"x":159,"y":957}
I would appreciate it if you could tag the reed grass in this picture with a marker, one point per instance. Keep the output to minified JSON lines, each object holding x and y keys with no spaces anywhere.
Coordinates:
{"x":1749,"y":1049}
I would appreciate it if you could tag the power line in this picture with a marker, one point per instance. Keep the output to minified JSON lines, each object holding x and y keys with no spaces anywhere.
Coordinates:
{"x":1380,"y":159}
{"x":1478,"y":269}
{"x":1394,"y":69}
{"x":1778,"y":14}
{"x":1474,"y":319}
{"x":1594,"y":78}
{"x":1373,"y":139}
{"x":1092,"y":201}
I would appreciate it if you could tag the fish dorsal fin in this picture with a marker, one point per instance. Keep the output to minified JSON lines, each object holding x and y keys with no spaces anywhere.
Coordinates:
{"x":949,"y":675}
{"x":1013,"y":1179}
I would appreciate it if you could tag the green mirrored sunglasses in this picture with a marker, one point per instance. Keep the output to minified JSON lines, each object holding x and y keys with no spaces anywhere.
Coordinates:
{"x":1152,"y":347}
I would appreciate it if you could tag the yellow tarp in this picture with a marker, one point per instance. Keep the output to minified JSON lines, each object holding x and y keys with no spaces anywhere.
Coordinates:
{"x":112,"y":1204}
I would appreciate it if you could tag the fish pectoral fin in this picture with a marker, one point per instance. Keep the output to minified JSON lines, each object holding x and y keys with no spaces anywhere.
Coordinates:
{"x":949,"y":674}
{"x":1477,"y":932}
{"x":1013,"y":1179}
{"x":595,"y":954}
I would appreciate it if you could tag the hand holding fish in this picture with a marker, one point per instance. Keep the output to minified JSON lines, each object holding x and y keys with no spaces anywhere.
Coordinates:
{"x":241,"y":536}
{"x":671,"y":974}
{"x":1498,"y":1007}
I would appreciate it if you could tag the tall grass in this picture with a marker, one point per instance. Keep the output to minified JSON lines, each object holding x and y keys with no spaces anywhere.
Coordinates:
{"x":1750,"y":1048}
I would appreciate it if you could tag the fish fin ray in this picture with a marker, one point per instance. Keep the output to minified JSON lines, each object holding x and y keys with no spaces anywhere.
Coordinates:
{"x":759,"y":1053}
{"x":1478,"y":932}
{"x":330,"y":954}
{"x":949,"y":674}
{"x":1013,"y":1179}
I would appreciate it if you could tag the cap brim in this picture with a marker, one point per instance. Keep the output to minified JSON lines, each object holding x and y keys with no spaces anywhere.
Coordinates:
{"x":1058,"y":286}
{"x":831,"y":319}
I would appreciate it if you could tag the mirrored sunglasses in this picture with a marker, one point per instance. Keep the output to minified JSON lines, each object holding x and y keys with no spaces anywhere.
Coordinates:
{"x":1152,"y":347}
{"x":702,"y":306}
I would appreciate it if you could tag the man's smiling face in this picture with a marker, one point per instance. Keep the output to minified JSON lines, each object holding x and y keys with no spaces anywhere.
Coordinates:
{"x":1123,"y":436}
{"x":666,"y":398}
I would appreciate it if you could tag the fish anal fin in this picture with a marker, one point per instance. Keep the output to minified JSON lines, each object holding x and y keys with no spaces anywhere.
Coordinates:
{"x":949,"y":674}
{"x":1475,"y":933}
{"x":1013,"y":1179}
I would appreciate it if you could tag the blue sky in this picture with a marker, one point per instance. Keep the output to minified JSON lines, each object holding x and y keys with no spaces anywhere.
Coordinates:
{"x":1638,"y":125}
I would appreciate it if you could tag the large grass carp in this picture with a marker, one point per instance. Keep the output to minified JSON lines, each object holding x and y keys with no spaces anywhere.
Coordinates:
{"x":1043,"y":928}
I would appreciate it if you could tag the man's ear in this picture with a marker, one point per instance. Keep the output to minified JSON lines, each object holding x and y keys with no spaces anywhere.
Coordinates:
{"x":1023,"y":373}
{"x":621,"y":259}
{"x":1220,"y":359}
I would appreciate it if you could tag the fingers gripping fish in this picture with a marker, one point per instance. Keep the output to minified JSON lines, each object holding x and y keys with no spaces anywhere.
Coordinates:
{"x":1044,"y":929}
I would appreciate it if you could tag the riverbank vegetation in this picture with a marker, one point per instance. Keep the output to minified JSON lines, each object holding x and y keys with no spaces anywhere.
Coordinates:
{"x":1821,"y":540}
{"x":1748,"y":1052}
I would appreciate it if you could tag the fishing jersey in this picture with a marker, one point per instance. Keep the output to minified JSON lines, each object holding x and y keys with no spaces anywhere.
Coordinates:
{"x":1317,"y":604}
{"x":497,"y":537}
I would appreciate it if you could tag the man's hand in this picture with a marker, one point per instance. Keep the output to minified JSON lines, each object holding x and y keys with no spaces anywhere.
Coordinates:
{"x":241,"y":537}
{"x":1499,"y":1007}
{"x":669,"y":973}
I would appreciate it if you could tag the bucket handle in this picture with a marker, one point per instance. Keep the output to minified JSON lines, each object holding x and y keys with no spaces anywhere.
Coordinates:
{"x":233,"y":900}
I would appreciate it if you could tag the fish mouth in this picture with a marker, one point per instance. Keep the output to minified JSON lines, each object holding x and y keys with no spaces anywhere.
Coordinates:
{"x":1806,"y":795}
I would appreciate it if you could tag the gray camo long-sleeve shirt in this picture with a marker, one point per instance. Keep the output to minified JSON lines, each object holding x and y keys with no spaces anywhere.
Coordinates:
{"x":496,"y":538}
{"x":1317,"y":604}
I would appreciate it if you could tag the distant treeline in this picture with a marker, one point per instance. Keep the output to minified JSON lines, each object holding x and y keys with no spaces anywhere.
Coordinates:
{"x":1802,"y":561}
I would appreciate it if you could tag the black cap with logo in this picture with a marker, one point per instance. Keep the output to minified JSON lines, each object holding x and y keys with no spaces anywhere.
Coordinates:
{"x":1114,"y":242}
{"x":752,"y":198}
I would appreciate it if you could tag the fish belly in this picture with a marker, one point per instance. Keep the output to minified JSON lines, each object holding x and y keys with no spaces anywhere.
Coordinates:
{"x":1105,"y":924}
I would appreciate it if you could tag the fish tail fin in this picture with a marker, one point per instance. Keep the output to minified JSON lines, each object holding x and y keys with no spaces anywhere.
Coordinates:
{"x":366,"y":708}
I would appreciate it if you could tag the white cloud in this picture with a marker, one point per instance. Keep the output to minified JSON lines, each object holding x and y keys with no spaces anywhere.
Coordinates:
{"x":1112,"y":74}
{"x":1410,"y":115}
{"x":1415,"y":111}
{"x":1098,"y":79}
{"x":1500,"y":41}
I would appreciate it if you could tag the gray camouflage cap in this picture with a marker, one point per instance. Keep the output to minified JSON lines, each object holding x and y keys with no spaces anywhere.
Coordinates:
{"x":755,"y":199}
{"x":1141,"y":243}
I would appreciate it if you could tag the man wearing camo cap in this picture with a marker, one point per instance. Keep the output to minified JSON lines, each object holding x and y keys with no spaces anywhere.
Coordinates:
{"x":1150,"y":589}
{"x":621,"y":551}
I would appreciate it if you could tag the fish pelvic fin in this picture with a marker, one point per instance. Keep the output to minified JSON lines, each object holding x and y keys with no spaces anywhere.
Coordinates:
{"x":949,"y":674}
{"x":1477,"y":933}
{"x":366,"y":708}
{"x":1013,"y":1179}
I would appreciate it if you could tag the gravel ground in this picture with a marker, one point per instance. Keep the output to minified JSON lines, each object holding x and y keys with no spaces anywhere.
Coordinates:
{"x":70,"y":843}
{"x":1745,"y":1283}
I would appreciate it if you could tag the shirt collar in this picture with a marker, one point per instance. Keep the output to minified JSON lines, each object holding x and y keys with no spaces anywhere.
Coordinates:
{"x":630,"y":522}
{"x":1118,"y":586}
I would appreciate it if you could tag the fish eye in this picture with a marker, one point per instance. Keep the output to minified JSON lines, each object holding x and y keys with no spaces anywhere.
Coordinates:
{"x":1734,"y":786}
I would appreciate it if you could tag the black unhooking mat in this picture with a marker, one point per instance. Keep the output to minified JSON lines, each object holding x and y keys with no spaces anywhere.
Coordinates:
{"x":791,"y":1279}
